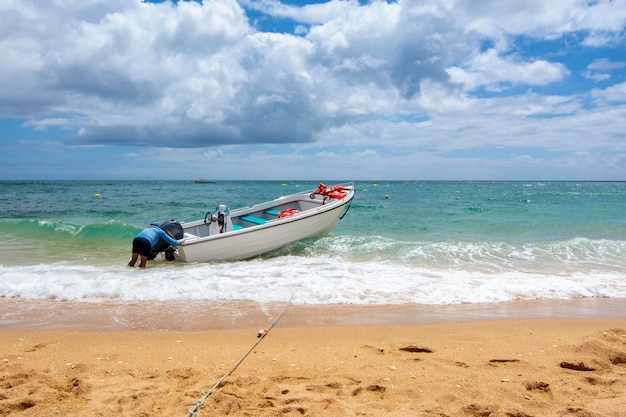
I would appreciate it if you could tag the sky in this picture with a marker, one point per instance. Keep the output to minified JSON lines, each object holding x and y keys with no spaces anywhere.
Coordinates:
{"x":313,"y":90}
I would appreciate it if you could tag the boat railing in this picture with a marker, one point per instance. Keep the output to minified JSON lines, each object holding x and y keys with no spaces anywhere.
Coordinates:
{"x":242,"y":211}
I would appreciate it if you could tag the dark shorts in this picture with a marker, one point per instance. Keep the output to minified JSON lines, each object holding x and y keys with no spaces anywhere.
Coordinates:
{"x":142,"y":246}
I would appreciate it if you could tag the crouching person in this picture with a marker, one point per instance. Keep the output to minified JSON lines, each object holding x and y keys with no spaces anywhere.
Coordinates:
{"x":145,"y":240}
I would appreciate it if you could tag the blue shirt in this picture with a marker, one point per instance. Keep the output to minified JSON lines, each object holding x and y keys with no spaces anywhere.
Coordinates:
{"x":153,"y":233}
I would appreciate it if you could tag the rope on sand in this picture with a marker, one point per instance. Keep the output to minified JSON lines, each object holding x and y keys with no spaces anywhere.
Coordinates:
{"x":193,"y":411}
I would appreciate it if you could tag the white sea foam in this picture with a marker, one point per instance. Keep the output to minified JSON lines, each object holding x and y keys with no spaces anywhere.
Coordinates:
{"x":305,"y":280}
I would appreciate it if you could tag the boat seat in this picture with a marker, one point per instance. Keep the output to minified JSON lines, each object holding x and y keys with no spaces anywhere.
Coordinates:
{"x":272,"y":212}
{"x":252,"y":219}
{"x":237,"y":227}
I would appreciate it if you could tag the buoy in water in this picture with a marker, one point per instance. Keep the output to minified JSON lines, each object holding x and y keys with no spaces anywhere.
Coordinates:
{"x":97,"y":195}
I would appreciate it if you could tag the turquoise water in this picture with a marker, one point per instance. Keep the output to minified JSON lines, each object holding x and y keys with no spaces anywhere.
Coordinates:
{"x":401,"y":242}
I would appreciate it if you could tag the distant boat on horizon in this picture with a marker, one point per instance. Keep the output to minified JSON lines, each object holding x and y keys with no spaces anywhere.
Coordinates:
{"x":203,"y":181}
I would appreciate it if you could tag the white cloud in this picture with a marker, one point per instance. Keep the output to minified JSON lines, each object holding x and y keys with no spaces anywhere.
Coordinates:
{"x":613,"y":94}
{"x":318,"y":13}
{"x":604,"y":64}
{"x":491,"y":70}
{"x":599,"y":69}
{"x":541,"y":19}
{"x":596,"y":76}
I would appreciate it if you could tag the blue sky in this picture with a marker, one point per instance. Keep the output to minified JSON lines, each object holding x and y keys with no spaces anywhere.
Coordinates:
{"x":340,"y":89}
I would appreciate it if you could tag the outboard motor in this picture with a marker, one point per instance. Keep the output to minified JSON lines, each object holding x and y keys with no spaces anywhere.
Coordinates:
{"x":175,"y":230}
{"x":218,"y":222}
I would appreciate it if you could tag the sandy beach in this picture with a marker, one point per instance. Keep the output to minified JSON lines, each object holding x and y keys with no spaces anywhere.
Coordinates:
{"x":314,"y":365}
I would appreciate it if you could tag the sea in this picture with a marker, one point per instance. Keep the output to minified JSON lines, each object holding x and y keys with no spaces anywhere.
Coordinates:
{"x":401,"y":242}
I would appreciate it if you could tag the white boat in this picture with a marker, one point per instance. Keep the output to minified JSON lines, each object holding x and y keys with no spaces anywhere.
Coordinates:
{"x":225,"y":235}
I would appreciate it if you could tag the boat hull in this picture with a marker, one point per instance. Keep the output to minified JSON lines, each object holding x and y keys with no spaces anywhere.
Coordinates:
{"x":251,"y":241}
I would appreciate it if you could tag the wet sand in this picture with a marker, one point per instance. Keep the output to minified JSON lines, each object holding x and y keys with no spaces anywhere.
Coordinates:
{"x":18,"y":313}
{"x":520,"y":359}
